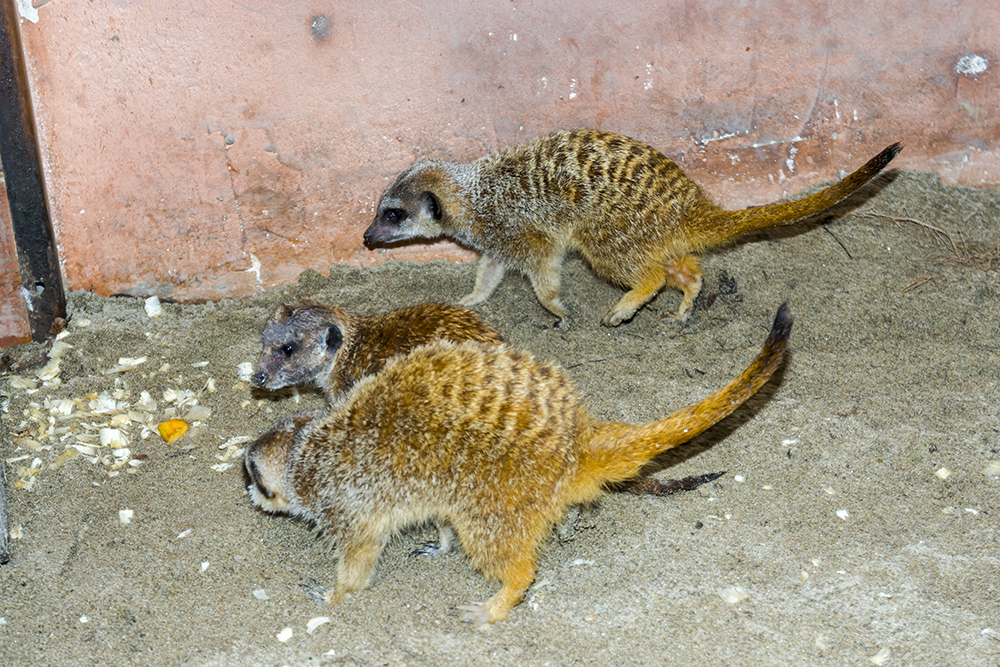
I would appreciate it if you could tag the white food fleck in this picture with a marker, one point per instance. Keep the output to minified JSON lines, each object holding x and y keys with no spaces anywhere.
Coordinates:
{"x":84,"y":619}
{"x":153,"y":307}
{"x":49,"y":371}
{"x":261,"y":594}
{"x":198,"y":413}
{"x":125,"y":516}
{"x":244,"y":371}
{"x":126,"y":364}
{"x":942,"y":473}
{"x":733,"y":594}
{"x":204,"y":565}
{"x":880,"y":657}
{"x":843,"y":514}
{"x":59,"y":349}
{"x":285,"y":635}
{"x":740,"y":478}
{"x":992,"y":469}
{"x":315,"y":622}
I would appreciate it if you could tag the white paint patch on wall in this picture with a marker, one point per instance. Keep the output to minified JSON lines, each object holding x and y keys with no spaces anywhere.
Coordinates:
{"x":971,"y":65}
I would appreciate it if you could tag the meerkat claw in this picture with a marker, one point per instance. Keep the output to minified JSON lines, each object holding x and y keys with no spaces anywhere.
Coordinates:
{"x":315,"y":590}
{"x":429,"y":549}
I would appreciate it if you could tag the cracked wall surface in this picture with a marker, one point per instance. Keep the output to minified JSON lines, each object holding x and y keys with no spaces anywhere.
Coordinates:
{"x":202,"y":149}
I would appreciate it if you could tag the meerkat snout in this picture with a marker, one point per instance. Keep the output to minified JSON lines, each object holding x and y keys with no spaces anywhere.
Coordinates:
{"x":385,"y":227}
{"x":264,"y":464}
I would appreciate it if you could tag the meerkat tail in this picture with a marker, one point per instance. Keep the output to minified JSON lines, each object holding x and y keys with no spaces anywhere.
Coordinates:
{"x":614,"y":452}
{"x":773,"y":215}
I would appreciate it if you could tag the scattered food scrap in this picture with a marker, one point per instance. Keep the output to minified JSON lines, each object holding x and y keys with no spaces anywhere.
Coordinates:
{"x":315,"y":623}
{"x":733,"y":594}
{"x":172,"y":429}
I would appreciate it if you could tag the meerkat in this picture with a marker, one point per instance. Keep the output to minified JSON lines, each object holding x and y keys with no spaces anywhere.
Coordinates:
{"x":629,"y":210}
{"x":310,"y":343}
{"x":484,"y":438}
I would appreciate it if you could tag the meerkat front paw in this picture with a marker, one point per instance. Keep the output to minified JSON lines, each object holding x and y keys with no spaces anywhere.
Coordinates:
{"x":476,"y":613}
{"x":335,"y":597}
{"x":471,"y":299}
{"x":616,"y":317}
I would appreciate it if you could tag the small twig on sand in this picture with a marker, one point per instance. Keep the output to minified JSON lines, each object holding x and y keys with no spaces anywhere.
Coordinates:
{"x":918,"y":282}
{"x":872,"y":213}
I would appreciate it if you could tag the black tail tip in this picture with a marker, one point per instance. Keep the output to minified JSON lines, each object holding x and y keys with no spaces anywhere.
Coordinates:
{"x":782,"y":326}
{"x":887,"y":154}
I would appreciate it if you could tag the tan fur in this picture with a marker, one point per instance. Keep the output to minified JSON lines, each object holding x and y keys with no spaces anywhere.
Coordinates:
{"x":297,"y":350}
{"x":631,"y":212}
{"x":484,"y":438}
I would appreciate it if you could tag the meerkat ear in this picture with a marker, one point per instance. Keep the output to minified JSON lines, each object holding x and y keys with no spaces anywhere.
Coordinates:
{"x":282,"y":312}
{"x":432,"y":206}
{"x":334,"y":338}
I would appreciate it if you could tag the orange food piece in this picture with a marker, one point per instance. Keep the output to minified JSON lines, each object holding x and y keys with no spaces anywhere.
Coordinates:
{"x":172,"y":429}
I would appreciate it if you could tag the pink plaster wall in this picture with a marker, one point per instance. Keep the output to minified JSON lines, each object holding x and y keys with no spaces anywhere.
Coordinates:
{"x":183,"y":139}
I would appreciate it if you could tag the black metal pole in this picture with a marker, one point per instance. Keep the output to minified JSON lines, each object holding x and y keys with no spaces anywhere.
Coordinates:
{"x":22,"y":167}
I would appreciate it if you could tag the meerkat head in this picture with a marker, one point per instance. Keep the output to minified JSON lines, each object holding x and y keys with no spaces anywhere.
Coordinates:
{"x":300,"y":345}
{"x":266,"y":465}
{"x":416,"y":204}
{"x":265,"y":460}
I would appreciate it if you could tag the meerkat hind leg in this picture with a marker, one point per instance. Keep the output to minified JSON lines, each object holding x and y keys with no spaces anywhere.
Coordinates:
{"x":516,"y":580}
{"x":489,"y":273}
{"x":545,"y":280}
{"x":644,"y":290}
{"x":685,"y":274}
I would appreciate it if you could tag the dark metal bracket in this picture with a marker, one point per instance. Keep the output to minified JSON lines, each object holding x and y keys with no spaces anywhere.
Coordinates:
{"x":22,"y":167}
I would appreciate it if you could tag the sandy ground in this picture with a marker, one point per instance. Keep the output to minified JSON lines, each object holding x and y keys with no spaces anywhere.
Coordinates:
{"x":856,"y":522}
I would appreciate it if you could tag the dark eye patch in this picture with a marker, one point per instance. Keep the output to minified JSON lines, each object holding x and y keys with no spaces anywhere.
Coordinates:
{"x":286,"y":350}
{"x":393,"y":216}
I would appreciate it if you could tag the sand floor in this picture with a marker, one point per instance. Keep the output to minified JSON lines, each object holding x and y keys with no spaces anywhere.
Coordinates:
{"x":856,"y":523}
